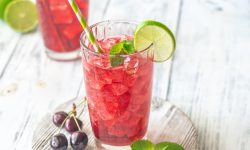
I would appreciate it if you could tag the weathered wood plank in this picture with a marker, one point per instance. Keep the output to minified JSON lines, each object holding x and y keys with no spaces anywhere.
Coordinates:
{"x":7,"y":36}
{"x":210,"y":78}
{"x":97,"y":10}
{"x":32,"y":84}
{"x":37,"y":83}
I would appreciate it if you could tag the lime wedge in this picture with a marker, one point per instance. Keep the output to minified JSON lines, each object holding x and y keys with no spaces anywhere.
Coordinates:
{"x":3,"y":4}
{"x":157,"y":35}
{"x":21,"y":15}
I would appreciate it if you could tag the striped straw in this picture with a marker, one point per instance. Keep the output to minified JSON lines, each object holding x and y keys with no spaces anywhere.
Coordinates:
{"x":84,"y":25}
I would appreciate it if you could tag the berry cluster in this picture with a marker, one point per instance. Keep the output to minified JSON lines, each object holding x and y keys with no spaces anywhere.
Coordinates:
{"x":68,"y":121}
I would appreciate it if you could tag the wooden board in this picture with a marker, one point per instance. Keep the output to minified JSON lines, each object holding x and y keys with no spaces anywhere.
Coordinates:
{"x":210,"y":79}
{"x":167,"y":123}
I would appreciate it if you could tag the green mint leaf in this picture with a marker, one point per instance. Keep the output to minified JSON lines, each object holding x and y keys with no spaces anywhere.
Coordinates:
{"x":116,"y":49}
{"x":168,"y":146}
{"x":121,"y":48}
{"x":116,"y":60}
{"x":142,"y":145}
{"x":128,"y":47}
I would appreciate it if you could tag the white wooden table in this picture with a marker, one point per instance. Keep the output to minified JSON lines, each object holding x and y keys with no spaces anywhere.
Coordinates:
{"x":209,"y":77}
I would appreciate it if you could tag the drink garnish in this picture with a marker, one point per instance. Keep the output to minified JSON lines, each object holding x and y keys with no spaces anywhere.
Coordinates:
{"x":124,"y":47}
{"x":159,"y":36}
{"x":148,"y":34}
{"x":84,"y":25}
{"x":148,"y":145}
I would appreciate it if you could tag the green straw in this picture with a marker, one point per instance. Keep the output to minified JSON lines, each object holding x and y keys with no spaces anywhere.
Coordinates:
{"x":84,"y":25}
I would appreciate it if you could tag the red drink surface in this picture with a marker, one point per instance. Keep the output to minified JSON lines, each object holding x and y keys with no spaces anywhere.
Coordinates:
{"x":118,"y":97}
{"x":59,"y":25}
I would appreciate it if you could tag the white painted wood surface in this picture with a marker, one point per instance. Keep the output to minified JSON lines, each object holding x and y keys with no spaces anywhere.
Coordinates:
{"x":209,"y":78}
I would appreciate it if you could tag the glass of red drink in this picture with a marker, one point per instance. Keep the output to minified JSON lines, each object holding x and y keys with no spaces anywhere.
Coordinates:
{"x":118,"y":97}
{"x":60,"y":28}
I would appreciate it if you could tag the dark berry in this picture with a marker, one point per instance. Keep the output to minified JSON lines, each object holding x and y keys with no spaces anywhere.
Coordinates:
{"x":59,"y":142}
{"x":78,"y":140}
{"x":71,"y":126}
{"x":59,"y":117}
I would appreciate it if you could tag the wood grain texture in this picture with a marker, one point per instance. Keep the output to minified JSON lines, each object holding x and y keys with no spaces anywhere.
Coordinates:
{"x":167,"y":123}
{"x":210,"y":79}
{"x":31,"y":84}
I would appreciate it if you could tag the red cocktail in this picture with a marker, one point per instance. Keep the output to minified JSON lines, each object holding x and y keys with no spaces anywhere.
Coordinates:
{"x":60,"y":28}
{"x":118,"y":97}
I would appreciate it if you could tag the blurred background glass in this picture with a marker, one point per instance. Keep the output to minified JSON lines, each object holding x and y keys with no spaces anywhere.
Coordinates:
{"x":60,"y":28}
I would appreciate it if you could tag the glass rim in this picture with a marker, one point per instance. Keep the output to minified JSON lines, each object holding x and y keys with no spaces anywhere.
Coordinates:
{"x":86,"y":48}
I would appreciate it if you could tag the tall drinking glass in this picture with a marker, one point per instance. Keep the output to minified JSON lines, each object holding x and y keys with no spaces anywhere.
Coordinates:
{"x":60,"y":28}
{"x":119,"y":96}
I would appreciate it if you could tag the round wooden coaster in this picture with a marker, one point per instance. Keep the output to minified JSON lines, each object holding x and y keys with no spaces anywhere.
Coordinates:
{"x":167,"y":123}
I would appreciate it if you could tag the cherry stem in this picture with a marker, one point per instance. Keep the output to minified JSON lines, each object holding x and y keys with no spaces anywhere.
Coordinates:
{"x":85,"y":101}
{"x":64,"y":122}
{"x":80,"y":113}
{"x":74,"y":114}
{"x":81,"y":102}
{"x":74,"y":109}
{"x":76,"y":122}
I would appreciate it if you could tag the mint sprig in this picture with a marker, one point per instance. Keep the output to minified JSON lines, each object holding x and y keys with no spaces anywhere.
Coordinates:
{"x":122,"y":48}
{"x":148,"y":145}
{"x":168,"y":146}
{"x":142,"y":145}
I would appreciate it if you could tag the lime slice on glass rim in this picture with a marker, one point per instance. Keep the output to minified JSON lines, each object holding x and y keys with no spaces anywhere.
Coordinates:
{"x":21,"y":15}
{"x":158,"y":37}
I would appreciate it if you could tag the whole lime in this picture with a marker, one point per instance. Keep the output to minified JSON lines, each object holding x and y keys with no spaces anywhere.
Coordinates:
{"x":21,"y":15}
{"x":3,"y":4}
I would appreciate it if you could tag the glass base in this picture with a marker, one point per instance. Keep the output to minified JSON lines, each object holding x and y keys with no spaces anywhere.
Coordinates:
{"x":103,"y":146}
{"x":65,"y":56}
